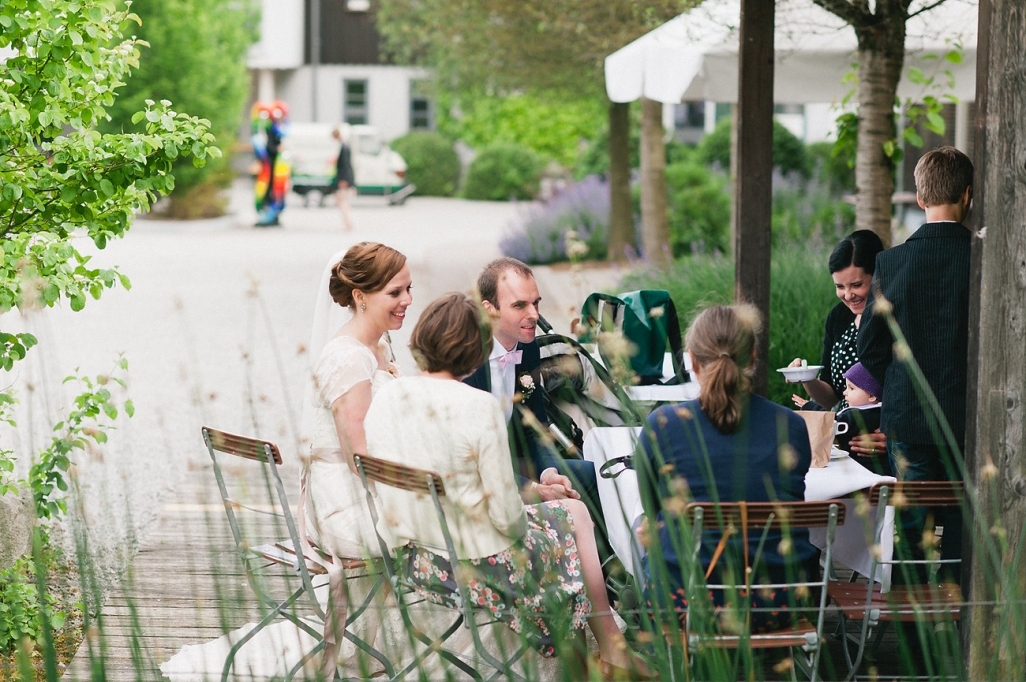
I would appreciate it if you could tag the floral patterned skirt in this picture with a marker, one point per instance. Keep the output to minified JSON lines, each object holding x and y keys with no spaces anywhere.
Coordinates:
{"x":536,"y":586}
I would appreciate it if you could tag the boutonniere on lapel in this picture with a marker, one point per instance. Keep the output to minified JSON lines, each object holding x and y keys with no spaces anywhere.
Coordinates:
{"x":526,"y":386}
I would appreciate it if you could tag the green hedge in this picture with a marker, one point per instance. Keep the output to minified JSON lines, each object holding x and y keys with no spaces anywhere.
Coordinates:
{"x":801,"y":295}
{"x":431,"y":163}
{"x":504,"y":171}
{"x":788,"y":151}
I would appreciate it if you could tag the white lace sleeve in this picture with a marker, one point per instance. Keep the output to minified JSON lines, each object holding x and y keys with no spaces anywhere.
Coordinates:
{"x":342,"y":366}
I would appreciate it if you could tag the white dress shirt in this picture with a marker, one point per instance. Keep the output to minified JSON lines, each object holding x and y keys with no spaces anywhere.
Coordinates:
{"x":503,"y":378}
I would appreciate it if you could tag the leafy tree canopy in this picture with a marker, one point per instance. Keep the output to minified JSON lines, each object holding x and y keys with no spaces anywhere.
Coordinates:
{"x":196,"y":57}
{"x":530,"y":45}
{"x":62,"y":62}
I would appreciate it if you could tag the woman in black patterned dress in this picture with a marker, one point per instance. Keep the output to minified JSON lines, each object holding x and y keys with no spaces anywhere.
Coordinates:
{"x":852,"y":264}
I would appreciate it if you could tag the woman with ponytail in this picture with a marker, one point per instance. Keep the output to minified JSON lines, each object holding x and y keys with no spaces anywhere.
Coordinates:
{"x":727,"y":446}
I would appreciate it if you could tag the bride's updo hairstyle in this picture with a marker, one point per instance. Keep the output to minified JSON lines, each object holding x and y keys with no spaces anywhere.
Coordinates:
{"x":722,"y":339}
{"x":451,"y":335}
{"x":366,"y":267}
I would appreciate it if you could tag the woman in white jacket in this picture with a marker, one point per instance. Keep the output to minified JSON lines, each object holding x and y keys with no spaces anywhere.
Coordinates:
{"x":534,"y":565}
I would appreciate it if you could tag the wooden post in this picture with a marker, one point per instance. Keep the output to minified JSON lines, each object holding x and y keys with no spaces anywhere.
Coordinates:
{"x":993,"y":639}
{"x":752,"y":195}
{"x":621,"y":226}
{"x":655,"y":224}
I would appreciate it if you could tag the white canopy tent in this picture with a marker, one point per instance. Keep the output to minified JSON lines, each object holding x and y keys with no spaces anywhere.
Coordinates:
{"x":694,"y":56}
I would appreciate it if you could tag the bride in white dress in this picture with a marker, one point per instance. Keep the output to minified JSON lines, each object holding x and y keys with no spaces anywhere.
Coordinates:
{"x":364,"y":294}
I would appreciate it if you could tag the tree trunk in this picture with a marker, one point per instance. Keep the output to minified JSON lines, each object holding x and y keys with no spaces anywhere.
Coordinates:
{"x":995,"y":577}
{"x":753,"y":189}
{"x":881,"y":56}
{"x":655,"y":226}
{"x":621,"y":225}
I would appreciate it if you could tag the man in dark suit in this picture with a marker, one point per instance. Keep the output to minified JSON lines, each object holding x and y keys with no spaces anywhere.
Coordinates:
{"x":510,"y":295}
{"x":925,"y":285}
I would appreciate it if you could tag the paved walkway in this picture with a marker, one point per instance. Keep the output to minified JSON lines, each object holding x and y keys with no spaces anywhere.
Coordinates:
{"x":214,"y":330}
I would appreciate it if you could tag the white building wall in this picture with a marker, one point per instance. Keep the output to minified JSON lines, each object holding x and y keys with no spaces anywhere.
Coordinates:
{"x":281,"y":36}
{"x":388,"y":90}
{"x":821,"y":122}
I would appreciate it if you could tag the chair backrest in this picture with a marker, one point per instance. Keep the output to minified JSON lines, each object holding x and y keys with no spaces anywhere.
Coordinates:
{"x":266,"y":453}
{"x":919,"y":493}
{"x":772,"y":515}
{"x":759,"y":518}
{"x":401,"y":476}
{"x":241,"y":446}
{"x":404,"y":477}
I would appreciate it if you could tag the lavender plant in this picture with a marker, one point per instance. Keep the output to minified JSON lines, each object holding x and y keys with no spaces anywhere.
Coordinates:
{"x":538,"y":236}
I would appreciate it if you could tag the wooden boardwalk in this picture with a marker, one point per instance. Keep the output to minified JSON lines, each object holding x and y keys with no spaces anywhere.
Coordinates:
{"x":186,"y":585}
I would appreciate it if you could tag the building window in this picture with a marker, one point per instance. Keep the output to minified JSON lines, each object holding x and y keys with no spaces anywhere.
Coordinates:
{"x":356,"y":111}
{"x":421,"y":111}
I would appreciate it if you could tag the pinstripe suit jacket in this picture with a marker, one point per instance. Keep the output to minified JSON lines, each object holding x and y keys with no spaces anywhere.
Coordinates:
{"x":926,"y":279}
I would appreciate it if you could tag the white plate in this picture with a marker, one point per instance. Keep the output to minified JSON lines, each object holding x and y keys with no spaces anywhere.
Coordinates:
{"x":837,"y":453}
{"x":797,"y":374}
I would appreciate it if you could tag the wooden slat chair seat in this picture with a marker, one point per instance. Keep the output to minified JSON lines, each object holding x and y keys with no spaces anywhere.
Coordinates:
{"x":424,"y":482}
{"x":929,"y":602}
{"x":754,"y":519}
{"x":257,"y":558}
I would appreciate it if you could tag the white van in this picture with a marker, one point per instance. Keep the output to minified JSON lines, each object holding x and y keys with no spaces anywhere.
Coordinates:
{"x":312,"y":152}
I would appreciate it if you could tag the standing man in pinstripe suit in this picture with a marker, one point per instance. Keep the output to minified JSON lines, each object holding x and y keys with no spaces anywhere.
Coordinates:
{"x":926,"y":282}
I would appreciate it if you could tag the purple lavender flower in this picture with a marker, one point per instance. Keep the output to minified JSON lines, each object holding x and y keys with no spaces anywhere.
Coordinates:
{"x":538,"y":234}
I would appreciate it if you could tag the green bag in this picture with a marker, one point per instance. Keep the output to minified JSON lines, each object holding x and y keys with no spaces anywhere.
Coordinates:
{"x":650,"y":335}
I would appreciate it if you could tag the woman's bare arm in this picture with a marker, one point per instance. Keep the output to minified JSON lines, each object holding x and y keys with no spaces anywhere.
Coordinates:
{"x":349,"y":411}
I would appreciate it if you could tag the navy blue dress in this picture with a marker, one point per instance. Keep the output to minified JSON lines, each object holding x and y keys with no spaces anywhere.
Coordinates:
{"x":684,"y":458}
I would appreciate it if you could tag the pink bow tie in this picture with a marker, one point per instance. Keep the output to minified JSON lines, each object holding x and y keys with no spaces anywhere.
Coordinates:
{"x":511,"y":358}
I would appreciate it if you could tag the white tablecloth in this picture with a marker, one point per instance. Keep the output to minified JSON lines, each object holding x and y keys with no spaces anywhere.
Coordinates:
{"x":621,"y":503}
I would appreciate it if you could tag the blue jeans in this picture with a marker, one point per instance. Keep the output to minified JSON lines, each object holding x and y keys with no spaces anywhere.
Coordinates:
{"x":924,"y":462}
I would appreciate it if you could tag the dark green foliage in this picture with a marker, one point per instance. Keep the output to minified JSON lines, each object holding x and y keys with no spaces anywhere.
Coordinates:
{"x":788,"y":151}
{"x":503,"y":171}
{"x":197,"y":59}
{"x":20,"y":607}
{"x":801,"y":295}
{"x":593,"y":158}
{"x":834,"y":166}
{"x":807,"y":209}
{"x":699,"y":208}
{"x":432,"y":163}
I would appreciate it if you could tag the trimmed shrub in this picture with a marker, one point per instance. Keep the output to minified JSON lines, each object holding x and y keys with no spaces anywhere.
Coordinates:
{"x":788,"y":151}
{"x":504,"y":171}
{"x":800,"y":298}
{"x":699,"y":208}
{"x":431,"y":163}
{"x":538,"y":237}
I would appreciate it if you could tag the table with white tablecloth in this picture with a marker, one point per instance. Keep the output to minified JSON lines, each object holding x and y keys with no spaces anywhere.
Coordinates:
{"x":853,"y":544}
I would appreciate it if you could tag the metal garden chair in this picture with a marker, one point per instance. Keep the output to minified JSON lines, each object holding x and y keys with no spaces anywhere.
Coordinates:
{"x":259,"y":560}
{"x":741,"y":519}
{"x":423,"y":482}
{"x":931,"y":601}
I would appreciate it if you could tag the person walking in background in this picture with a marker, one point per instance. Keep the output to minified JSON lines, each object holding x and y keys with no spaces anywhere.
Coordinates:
{"x":924,"y":283}
{"x":344,"y":179}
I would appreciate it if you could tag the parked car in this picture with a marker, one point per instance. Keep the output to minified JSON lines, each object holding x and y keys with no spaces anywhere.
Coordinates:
{"x":312,"y":151}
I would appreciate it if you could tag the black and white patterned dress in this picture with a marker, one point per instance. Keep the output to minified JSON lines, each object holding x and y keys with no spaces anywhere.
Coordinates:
{"x":843,"y":356}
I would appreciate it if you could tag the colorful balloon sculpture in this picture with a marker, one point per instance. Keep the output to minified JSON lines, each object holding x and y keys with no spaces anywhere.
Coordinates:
{"x":272,"y":181}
